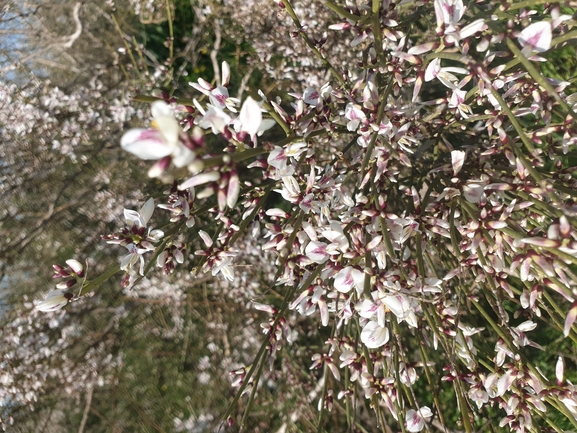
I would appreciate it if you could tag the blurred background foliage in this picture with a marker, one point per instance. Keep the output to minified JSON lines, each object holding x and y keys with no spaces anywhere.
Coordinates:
{"x":144,"y":360}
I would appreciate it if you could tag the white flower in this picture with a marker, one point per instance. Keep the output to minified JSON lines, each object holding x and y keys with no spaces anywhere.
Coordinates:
{"x":224,"y":268}
{"x":457,"y":161}
{"x":136,"y":240}
{"x":311,"y":96}
{"x":355,"y":114}
{"x":278,"y":157}
{"x":218,"y":96}
{"x":536,"y":37}
{"x":373,"y":335}
{"x":457,"y":101}
{"x":216,"y":119}
{"x":140,"y":219}
{"x":250,"y":119}
{"x":479,"y":396}
{"x":317,"y":251}
{"x":402,"y":307}
{"x":348,"y":278}
{"x":449,"y":12}
{"x":416,"y":420}
{"x":444,"y":75}
{"x":160,"y":142}
{"x":55,"y":300}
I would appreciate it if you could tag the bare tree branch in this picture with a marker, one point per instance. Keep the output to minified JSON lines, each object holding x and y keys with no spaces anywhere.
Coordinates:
{"x":72,"y":38}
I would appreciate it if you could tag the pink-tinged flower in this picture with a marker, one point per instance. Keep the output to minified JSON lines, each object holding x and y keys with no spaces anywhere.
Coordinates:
{"x":76,"y":266}
{"x":200,"y":179}
{"x":279,"y":156}
{"x":504,"y":384}
{"x":162,"y":142}
{"x":370,"y":95}
{"x":311,"y":96}
{"x":216,"y":119}
{"x":340,"y":26}
{"x":355,"y":114}
{"x":415,"y":420}
{"x":402,"y":307}
{"x":72,"y":273}
{"x":348,"y":278}
{"x":135,"y":237}
{"x":449,"y":12}
{"x":479,"y":396}
{"x":444,"y":75}
{"x":457,"y":101}
{"x":570,"y":402}
{"x":218,"y":96}
{"x":55,"y":300}
{"x":537,"y":37}
{"x":373,"y":335}
{"x":423,"y":48}
{"x":317,"y":252}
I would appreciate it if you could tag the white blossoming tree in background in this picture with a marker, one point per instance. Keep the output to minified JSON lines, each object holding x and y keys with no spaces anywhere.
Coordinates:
{"x":397,"y":208}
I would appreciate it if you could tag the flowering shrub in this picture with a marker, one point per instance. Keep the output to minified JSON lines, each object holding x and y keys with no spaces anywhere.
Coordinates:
{"x":419,"y":210}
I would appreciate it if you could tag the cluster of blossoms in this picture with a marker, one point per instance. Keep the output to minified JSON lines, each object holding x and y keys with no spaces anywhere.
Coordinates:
{"x":417,"y":202}
{"x":135,"y":237}
{"x":74,"y":276}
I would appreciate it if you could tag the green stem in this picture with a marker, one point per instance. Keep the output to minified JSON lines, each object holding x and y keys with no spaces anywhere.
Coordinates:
{"x":264,"y":344}
{"x":127,"y":47}
{"x":256,"y":209}
{"x":170,"y":31}
{"x":380,"y":114}
{"x":271,"y":111}
{"x":517,"y":127}
{"x":312,"y":46}
{"x":540,"y":79}
{"x":463,"y":406}
{"x":425,"y":360}
{"x":527,"y":4}
{"x":376,"y":9}
{"x":252,"y":394}
{"x":93,"y":284}
{"x":340,"y":11}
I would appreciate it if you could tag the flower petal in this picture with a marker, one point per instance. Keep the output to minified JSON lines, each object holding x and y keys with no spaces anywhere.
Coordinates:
{"x":146,"y":210}
{"x":225,"y":73}
{"x":457,"y":160}
{"x":433,"y":69}
{"x":55,"y":300}
{"x":250,"y":116}
{"x":317,"y":252}
{"x":537,"y":36}
{"x":145,"y":143}
{"x":571,"y":316}
{"x":75,"y":265}
{"x":374,"y":335}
